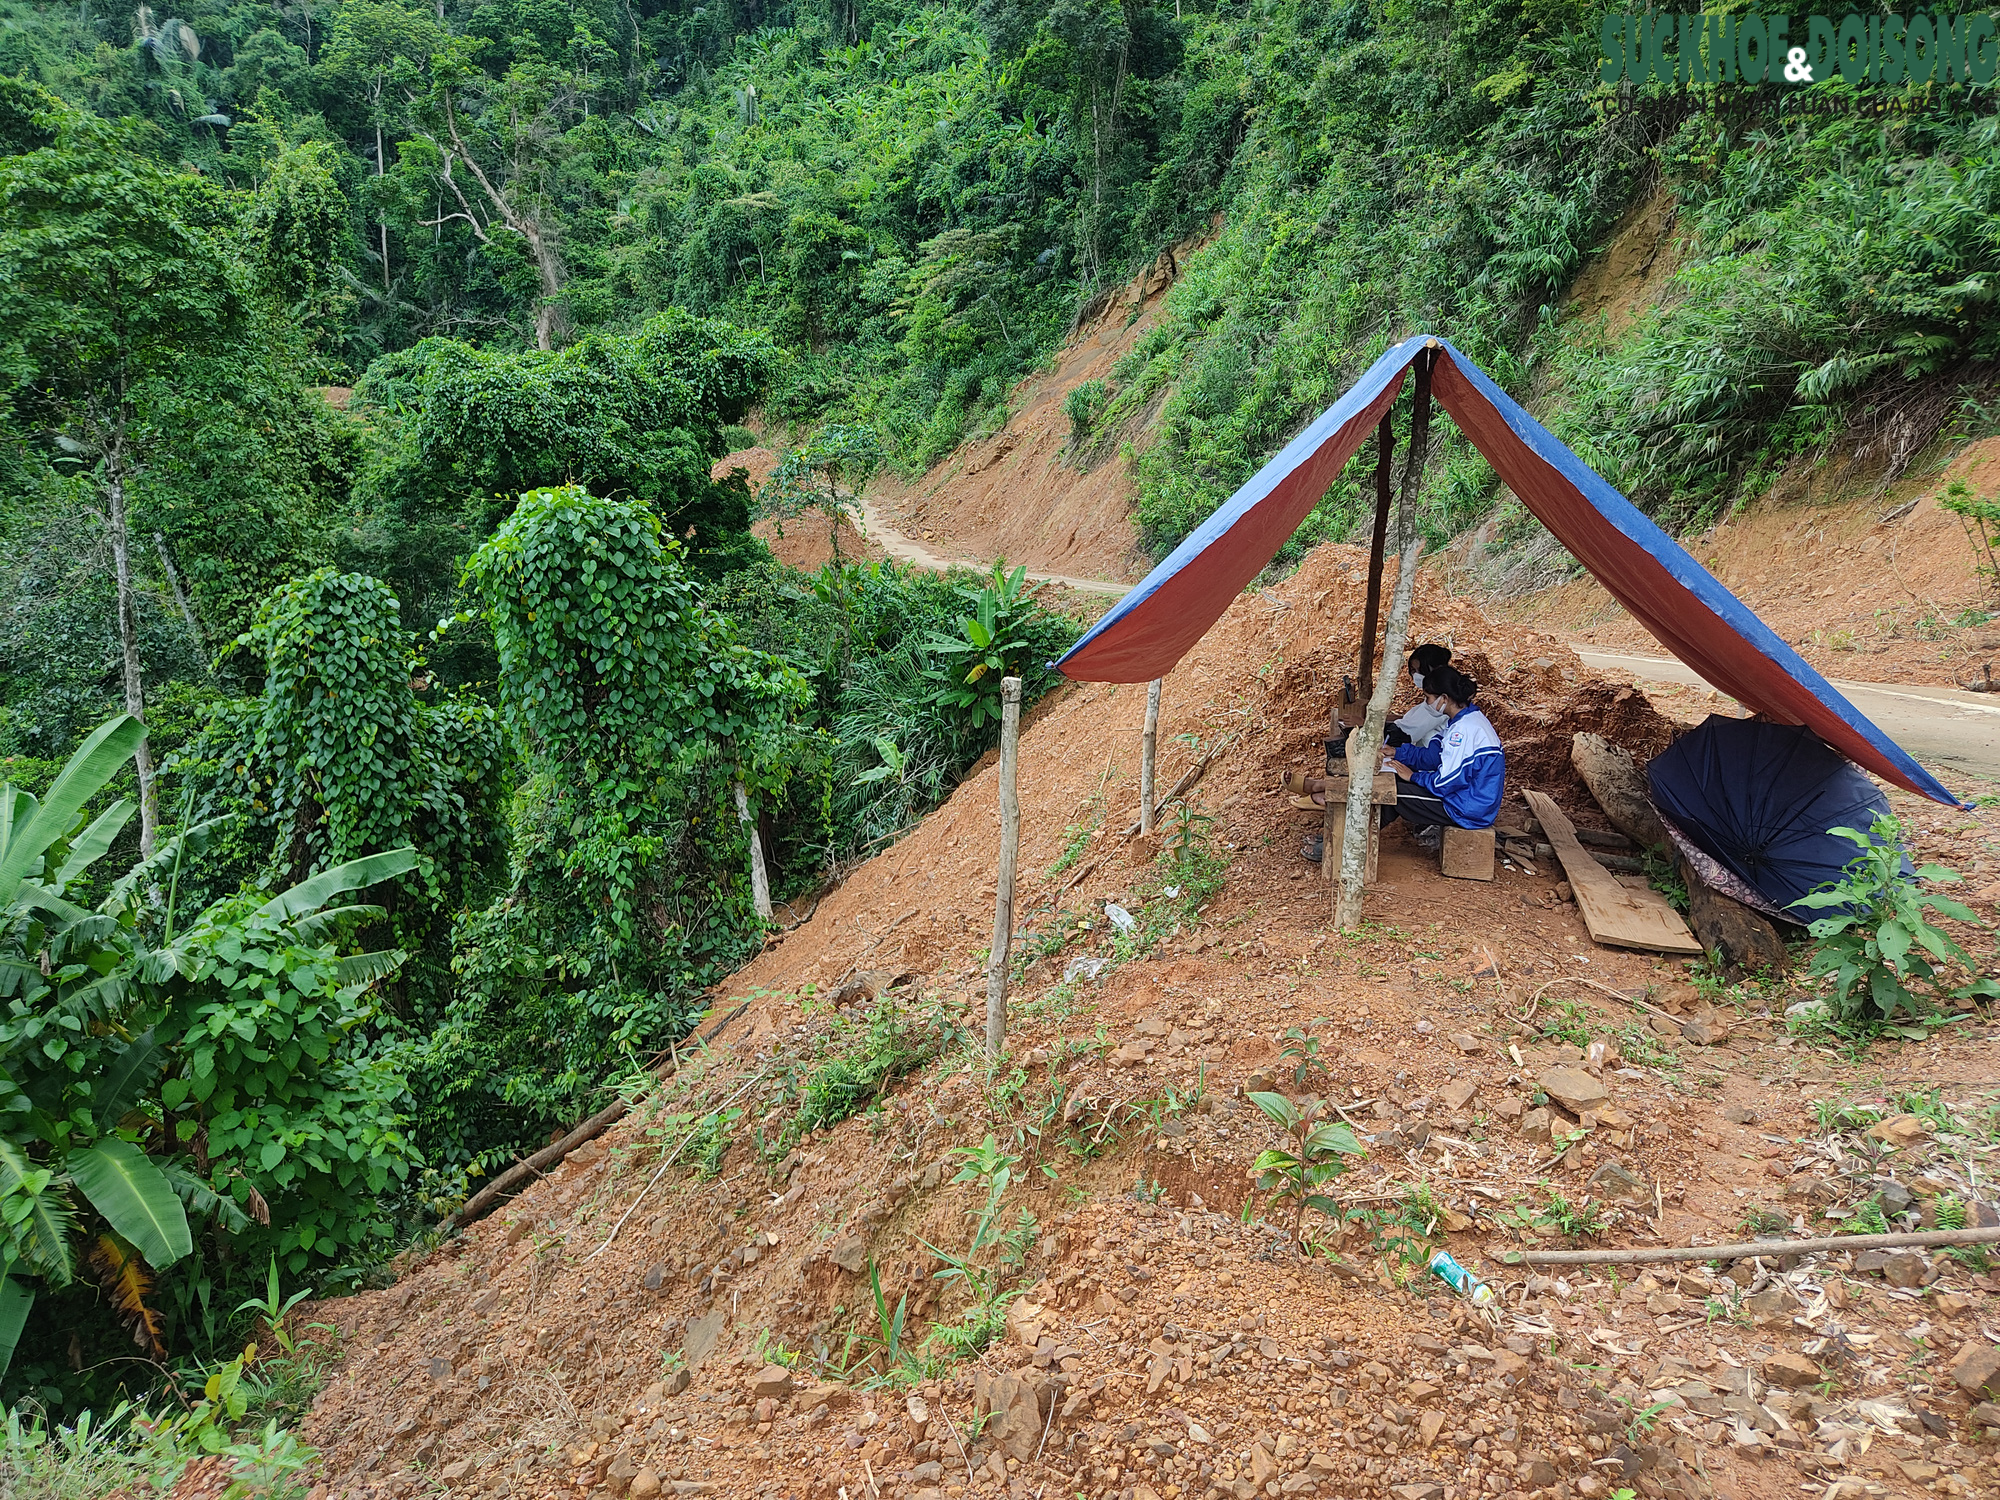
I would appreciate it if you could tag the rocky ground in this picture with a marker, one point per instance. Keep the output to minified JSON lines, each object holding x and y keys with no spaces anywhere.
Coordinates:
{"x":832,"y":1256}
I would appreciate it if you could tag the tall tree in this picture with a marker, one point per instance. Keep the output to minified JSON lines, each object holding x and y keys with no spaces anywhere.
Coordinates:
{"x":112,"y":272}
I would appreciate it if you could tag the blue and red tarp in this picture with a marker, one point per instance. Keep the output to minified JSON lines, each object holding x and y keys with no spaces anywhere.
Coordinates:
{"x":1673,"y":596}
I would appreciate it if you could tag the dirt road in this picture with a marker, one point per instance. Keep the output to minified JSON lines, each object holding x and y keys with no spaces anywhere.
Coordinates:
{"x":1945,"y":729}
{"x":906,"y":549}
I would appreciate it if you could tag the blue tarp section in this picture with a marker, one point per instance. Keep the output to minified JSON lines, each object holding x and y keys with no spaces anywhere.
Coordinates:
{"x":1666,"y":590}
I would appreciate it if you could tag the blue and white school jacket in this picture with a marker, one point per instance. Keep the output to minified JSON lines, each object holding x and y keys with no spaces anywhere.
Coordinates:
{"x":1465,"y":767}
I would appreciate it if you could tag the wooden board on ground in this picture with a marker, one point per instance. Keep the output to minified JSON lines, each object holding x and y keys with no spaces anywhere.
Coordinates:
{"x":1615,"y":915}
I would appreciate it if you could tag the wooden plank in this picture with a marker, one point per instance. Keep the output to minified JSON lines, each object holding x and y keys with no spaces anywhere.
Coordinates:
{"x":1616,"y":916}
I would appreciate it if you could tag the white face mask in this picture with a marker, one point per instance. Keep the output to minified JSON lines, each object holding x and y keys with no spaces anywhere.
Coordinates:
{"x":1418,"y":679}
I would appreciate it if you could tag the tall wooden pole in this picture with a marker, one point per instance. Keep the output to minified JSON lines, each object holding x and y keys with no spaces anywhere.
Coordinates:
{"x":760,"y":879}
{"x":1364,"y":746}
{"x":1385,"y":447}
{"x":1149,"y":745}
{"x":1010,"y":844}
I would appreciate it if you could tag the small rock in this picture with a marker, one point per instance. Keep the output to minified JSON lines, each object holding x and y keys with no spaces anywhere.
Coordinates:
{"x":1260,"y":1082}
{"x":1976,"y":1368}
{"x":1979,"y":1214}
{"x":1792,"y":1371}
{"x":1418,"y":1492}
{"x":1986,"y":1415}
{"x":1455,"y":1096}
{"x":645,"y":1485}
{"x":455,"y":1473}
{"x":655,"y":1278}
{"x":1896,"y":1198}
{"x":1537,"y":1126}
{"x":618,"y":1476}
{"x":1572,"y":1088}
{"x":1132,"y":1054}
{"x":1740,"y":1114}
{"x":1615,"y":1184}
{"x":850,"y":1254}
{"x":440,"y":1369}
{"x":1905,"y":1270}
{"x":1262,"y":1466}
{"x":773,"y":1382}
{"x":1465,"y":1041}
{"x":1900,"y":1130}
{"x":675,"y":1383}
{"x":1700,"y":1033}
{"x":1509,"y":1108}
{"x":1870,"y":1262}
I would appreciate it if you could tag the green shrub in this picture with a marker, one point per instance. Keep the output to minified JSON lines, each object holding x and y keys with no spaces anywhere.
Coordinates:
{"x":1885,"y":958}
{"x":180,"y":1103}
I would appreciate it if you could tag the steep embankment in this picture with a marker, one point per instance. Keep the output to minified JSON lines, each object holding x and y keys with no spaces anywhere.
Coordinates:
{"x":613,"y":1330}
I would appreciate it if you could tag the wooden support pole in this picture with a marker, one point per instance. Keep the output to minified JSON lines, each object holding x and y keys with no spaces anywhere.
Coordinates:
{"x":1010,"y":844}
{"x":1767,"y":1249}
{"x":1364,"y":745}
{"x":1149,"y":745}
{"x":1385,"y":447}
{"x":760,"y":879}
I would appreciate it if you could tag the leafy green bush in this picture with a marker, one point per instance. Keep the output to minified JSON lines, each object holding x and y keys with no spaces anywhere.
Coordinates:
{"x":1007,"y":635}
{"x":635,"y":712}
{"x":1885,"y":958}
{"x":1083,"y":406}
{"x":156,"y":1084}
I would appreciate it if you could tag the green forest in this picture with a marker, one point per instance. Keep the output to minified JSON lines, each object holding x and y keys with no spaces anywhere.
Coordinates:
{"x":387,"y":689}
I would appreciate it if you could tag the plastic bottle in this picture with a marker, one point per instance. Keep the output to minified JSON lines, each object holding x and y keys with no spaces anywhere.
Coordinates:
{"x":1462,"y":1280}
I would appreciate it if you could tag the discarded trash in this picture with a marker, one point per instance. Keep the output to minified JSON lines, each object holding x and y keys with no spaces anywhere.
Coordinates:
{"x":1121,"y":918}
{"x":1806,"y":1008}
{"x":1084,"y":966}
{"x":1462,"y":1280}
{"x":1171,"y":892}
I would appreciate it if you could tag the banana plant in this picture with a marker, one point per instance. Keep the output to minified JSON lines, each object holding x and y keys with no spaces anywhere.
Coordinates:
{"x":94,"y":1016}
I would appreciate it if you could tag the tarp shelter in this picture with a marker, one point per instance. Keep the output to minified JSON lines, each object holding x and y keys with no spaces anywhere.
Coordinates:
{"x":1666,"y":590}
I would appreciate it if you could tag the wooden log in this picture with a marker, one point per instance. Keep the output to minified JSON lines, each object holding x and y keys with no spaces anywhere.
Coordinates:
{"x":1753,"y":1249}
{"x":1010,"y":846}
{"x":1740,"y":941}
{"x":1148,"y":747}
{"x":1616,"y":782}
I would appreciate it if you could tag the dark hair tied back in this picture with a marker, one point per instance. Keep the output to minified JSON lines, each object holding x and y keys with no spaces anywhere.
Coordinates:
{"x":1453,"y":683}
{"x":1427,"y":659}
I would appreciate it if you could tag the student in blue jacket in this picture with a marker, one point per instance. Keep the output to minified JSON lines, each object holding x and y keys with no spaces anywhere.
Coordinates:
{"x":1457,"y":778}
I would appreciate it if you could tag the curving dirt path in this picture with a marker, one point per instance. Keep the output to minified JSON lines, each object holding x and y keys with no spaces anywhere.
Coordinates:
{"x":907,"y":549}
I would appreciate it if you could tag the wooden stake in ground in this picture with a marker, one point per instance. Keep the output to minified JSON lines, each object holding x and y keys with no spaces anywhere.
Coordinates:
{"x":1010,"y":845}
{"x":1364,"y":745}
{"x":760,"y":880}
{"x":1149,"y":745}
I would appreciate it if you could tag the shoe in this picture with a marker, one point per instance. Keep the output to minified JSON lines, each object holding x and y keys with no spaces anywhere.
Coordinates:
{"x":1313,"y":849}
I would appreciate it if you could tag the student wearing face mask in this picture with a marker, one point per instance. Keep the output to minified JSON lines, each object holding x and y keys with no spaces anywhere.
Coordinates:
{"x":1422,"y":724}
{"x":1457,"y":779}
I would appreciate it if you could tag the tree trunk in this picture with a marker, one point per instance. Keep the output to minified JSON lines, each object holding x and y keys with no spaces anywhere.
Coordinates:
{"x":179,"y":588}
{"x":1364,"y":745}
{"x":381,"y":223}
{"x":128,"y":641}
